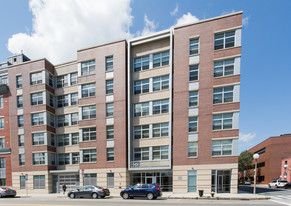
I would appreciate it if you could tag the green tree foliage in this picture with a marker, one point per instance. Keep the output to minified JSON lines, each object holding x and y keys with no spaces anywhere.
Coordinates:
{"x":245,"y":161}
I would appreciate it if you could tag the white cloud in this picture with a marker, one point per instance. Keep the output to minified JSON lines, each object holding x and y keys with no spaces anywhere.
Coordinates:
{"x":172,"y":13}
{"x":246,"y":137}
{"x":60,"y":28}
{"x":245,"y":21}
{"x":150,"y":26}
{"x":186,"y":19}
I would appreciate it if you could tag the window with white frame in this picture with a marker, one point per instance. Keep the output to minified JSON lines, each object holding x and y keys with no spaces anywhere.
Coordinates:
{"x":222,"y":121}
{"x":141,"y":63}
{"x":221,"y":147}
{"x":75,"y":158}
{"x":51,"y":80}
{"x":37,"y":119}
{"x":223,"y":68}
{"x":193,"y":72}
{"x":141,"y":132}
{"x":63,"y":139}
{"x":89,"y":155}
{"x":161,"y":59}
{"x":51,"y":100}
{"x":141,"y":86}
{"x":38,"y":138}
{"x":89,"y":112}
{"x":89,"y":134}
{"x":193,"y":98}
{"x":192,"y":149}
{"x":141,"y":154}
{"x":62,"y":81}
{"x":20,"y":120}
{"x":74,"y":98}
{"x":37,"y":98}
{"x":141,"y":109}
{"x":224,"y":40}
{"x":52,"y":158}
{"x":18,"y":81}
{"x":51,"y":119}
{"x":74,"y":118}
{"x":193,"y":124}
{"x":160,"y":152}
{"x":19,"y":101}
{"x":38,"y":181}
{"x":109,"y":109}
{"x":109,"y":64}
{"x":1,"y":122}
{"x":21,"y":140}
{"x":63,"y":101}
{"x":74,"y":78}
{"x":21,"y":160}
{"x":36,"y":78}
{"x":110,"y":132}
{"x":109,"y":86}
{"x":38,"y":158}
{"x":192,"y":181}
{"x":161,"y":106}
{"x":194,"y":46}
{"x":75,"y":138}
{"x":88,"y":68}
{"x":64,"y":159}
{"x":64,"y":120}
{"x":1,"y":102}
{"x":160,"y":83}
{"x":110,"y":154}
{"x":223,"y":95}
{"x":88,"y":90}
{"x":2,"y":142}
{"x":161,"y":130}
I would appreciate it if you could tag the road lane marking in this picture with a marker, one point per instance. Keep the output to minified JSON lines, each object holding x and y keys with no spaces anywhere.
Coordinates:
{"x":283,"y":203}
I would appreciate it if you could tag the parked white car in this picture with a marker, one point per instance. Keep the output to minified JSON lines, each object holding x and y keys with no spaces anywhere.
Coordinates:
{"x":278,"y":183}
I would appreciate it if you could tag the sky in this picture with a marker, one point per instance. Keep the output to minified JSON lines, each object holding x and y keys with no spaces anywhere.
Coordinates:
{"x":56,"y":29}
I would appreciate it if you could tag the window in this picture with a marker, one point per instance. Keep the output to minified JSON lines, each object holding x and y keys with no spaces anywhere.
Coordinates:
{"x":161,"y":106}
{"x":192,"y":180}
{"x":142,"y":109}
{"x":224,"y":40}
{"x":37,"y":119}
{"x":63,"y":120}
{"x":74,"y":78}
{"x":161,"y":153}
{"x":38,"y":158}
{"x":109,"y":87}
{"x":193,"y":98}
{"x":62,"y":81}
{"x":192,"y":149}
{"x":223,"y":95}
{"x":141,"y":63}
{"x":38,"y":182}
{"x":221,"y":147}
{"x":52,"y":100}
{"x":90,"y":179}
{"x":110,"y":180}
{"x":75,"y":158}
{"x":38,"y":138}
{"x":19,"y":82}
{"x":1,"y":102}
{"x":20,"y":121}
{"x":161,"y":59}
{"x":88,"y":90}
{"x":51,"y":119}
{"x":110,"y":154}
{"x":75,"y":138}
{"x":19,"y":101}
{"x":64,"y":159}
{"x":223,"y":68}
{"x":141,"y":86}
{"x":37,"y":98}
{"x":88,"y":68}
{"x":1,"y":122}
{"x":21,"y":160}
{"x":193,"y":72}
{"x":2,"y":142}
{"x":63,"y":101}
{"x":194,"y":46}
{"x":89,"y":155}
{"x":161,"y":130}
{"x":89,"y":134}
{"x":89,"y":112}
{"x":193,"y":124}
{"x":36,"y":78}
{"x":74,"y":118}
{"x":141,"y":132}
{"x":52,"y":142}
{"x":21,"y":140}
{"x":109,"y":63}
{"x":160,"y":83}
{"x":141,"y":154}
{"x":109,"y":109}
{"x":22,"y":182}
{"x":51,"y":80}
{"x":64,"y":140}
{"x":3,"y":172}
{"x":222,"y":121}
{"x":110,"y":132}
{"x":74,"y":98}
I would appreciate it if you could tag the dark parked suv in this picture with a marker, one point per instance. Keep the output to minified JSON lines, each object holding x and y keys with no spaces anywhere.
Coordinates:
{"x":89,"y":191}
{"x":150,"y":191}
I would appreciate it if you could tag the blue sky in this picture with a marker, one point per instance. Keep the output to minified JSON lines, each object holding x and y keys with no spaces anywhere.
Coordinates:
{"x":59,"y":29}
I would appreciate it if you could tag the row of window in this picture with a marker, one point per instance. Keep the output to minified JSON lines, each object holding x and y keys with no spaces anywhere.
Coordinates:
{"x":151,"y":130}
{"x":157,"y":153}
{"x":151,"y":61}
{"x":151,"y":85}
{"x":151,"y":108}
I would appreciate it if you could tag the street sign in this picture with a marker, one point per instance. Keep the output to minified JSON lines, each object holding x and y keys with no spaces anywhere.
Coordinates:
{"x":83,"y":172}
{"x":26,"y":177}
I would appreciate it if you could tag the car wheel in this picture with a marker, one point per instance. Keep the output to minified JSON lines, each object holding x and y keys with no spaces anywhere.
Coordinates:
{"x":72,"y":195}
{"x":125,"y":195}
{"x":102,"y":196}
{"x":150,"y":196}
{"x":276,"y":186}
{"x":269,"y":186}
{"x":94,"y":195}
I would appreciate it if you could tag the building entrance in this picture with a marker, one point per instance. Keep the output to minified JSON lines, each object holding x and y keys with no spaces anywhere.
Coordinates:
{"x":72,"y":181}
{"x":221,"y":181}
{"x":150,"y":180}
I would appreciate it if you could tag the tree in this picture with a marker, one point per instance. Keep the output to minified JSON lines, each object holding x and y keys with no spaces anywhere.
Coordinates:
{"x":245,"y":162}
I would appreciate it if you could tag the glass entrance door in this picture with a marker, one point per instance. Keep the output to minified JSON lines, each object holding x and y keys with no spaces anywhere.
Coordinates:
{"x":150,"y":180}
{"x":220,"y":183}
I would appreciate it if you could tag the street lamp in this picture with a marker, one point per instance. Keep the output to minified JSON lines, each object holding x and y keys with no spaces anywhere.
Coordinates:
{"x":256,"y":157}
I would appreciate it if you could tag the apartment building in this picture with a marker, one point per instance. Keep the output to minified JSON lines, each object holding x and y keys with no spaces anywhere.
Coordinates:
{"x":158,"y":109}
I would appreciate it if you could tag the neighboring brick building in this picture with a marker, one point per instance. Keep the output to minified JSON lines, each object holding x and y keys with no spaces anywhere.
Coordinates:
{"x":272,"y":152}
{"x":158,"y":109}
{"x":286,"y":168}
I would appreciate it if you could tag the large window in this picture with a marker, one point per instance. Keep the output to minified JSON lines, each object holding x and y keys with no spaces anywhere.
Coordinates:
{"x":194,"y":46}
{"x":193,"y":72}
{"x":62,"y":81}
{"x":1,"y":102}
{"x":89,"y":134}
{"x":2,"y":142}
{"x":193,"y":98}
{"x":222,"y":147}
{"x":109,"y":64}
{"x":36,"y":78}
{"x":2,"y":167}
{"x":222,"y":121}
{"x":63,"y":101}
{"x":192,"y":180}
{"x":88,"y":68}
{"x":224,"y":40}
{"x":18,"y":81}
{"x":21,"y":140}
{"x":38,"y":182}
{"x":161,"y":59}
{"x":64,"y":159}
{"x":109,"y":109}
{"x":161,"y":153}
{"x":75,"y":158}
{"x":22,"y":182}
{"x":21,"y":160}
{"x":223,"y":95}
{"x":38,"y":138}
{"x":192,"y":149}
{"x":141,"y":132}
{"x":74,"y":98}
{"x":74,"y":118}
{"x":63,"y":139}
{"x":161,"y":129}
{"x":160,"y":83}
{"x":75,"y":138}
{"x":142,"y":109}
{"x":223,"y":68}
{"x":19,"y":101}
{"x":89,"y":112}
{"x":141,"y":63}
{"x":64,"y":120}
{"x":74,"y":78}
{"x":1,"y":122}
{"x":161,"y":106}
{"x":193,"y":124}
{"x":109,"y":86}
{"x":88,"y":90}
{"x":141,"y":86}
{"x":37,"y":98}
{"x":89,"y":155}
{"x":37,"y":119}
{"x":141,"y":154}
{"x":110,"y":132}
{"x":110,"y":154}
{"x":90,"y":179}
{"x":39,"y":158}
{"x":20,"y":120}
{"x":110,"y":180}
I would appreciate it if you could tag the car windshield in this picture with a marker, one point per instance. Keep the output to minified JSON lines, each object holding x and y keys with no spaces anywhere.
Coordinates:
{"x":99,"y":187}
{"x":283,"y":181}
{"x":4,"y":188}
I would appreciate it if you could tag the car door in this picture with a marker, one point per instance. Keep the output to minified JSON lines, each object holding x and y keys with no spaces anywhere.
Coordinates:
{"x":135,"y":190}
{"x":88,"y":191}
